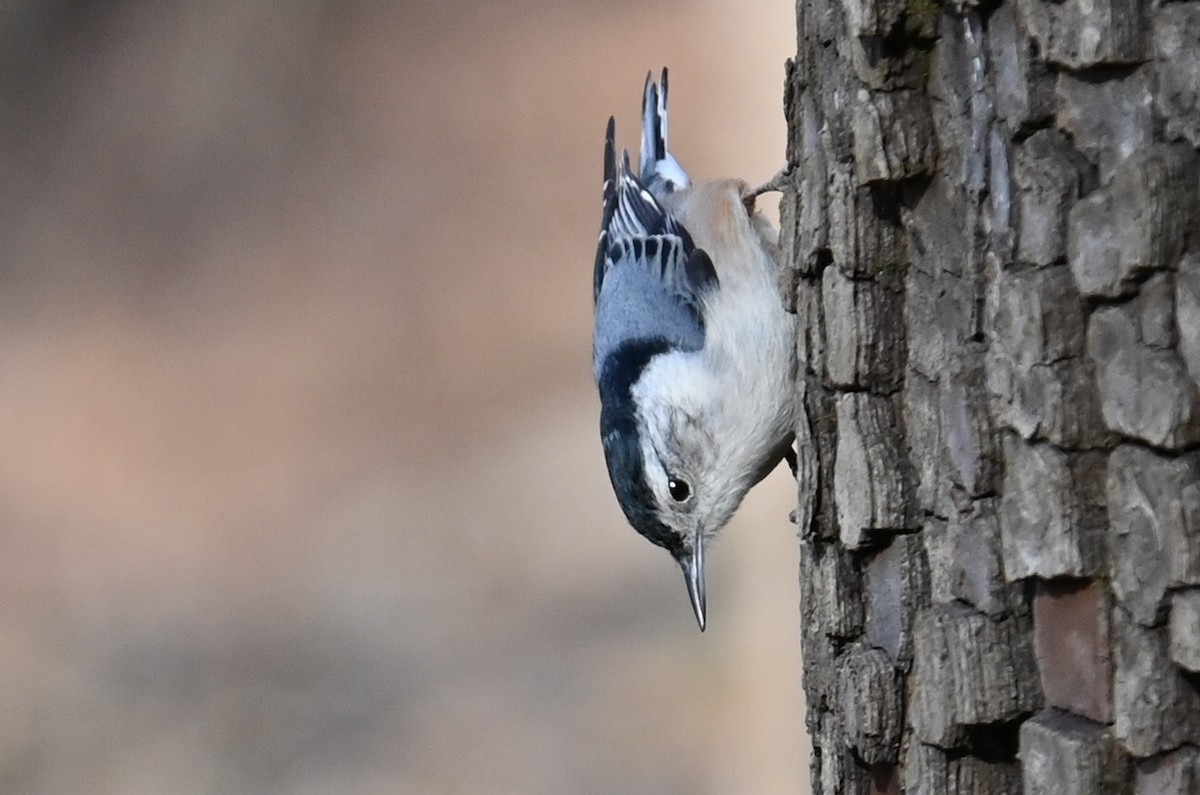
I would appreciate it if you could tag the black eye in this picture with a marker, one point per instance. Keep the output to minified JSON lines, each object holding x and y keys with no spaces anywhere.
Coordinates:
{"x":679,"y":489}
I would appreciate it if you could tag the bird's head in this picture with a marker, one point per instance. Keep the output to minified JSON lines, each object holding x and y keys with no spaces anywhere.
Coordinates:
{"x":669,"y":471}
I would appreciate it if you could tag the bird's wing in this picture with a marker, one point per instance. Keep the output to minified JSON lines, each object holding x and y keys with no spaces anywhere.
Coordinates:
{"x":650,"y":278}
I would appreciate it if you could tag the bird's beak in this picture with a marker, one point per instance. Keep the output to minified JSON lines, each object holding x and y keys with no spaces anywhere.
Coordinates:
{"x":693,"y":574}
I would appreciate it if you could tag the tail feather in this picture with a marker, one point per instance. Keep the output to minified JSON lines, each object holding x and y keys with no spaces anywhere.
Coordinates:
{"x":654,"y":132}
{"x":660,"y":171}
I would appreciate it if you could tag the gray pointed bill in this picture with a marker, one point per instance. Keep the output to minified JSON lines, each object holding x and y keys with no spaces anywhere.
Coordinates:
{"x":693,"y":574}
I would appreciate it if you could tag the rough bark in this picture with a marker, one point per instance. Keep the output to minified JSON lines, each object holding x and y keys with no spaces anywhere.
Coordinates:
{"x":994,"y":253}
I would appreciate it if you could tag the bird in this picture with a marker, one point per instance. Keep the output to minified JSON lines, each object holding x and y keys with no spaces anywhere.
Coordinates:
{"x":693,"y":350}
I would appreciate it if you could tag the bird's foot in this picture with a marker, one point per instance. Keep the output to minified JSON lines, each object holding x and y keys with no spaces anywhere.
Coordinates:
{"x":780,"y":182}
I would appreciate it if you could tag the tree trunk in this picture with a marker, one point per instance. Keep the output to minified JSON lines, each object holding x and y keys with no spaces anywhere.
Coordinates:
{"x":994,"y":256}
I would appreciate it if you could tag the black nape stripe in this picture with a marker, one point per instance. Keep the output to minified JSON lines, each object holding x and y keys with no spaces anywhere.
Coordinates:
{"x":622,"y":442}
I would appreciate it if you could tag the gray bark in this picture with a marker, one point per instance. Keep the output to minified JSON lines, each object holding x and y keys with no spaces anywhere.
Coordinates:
{"x":993,"y":249}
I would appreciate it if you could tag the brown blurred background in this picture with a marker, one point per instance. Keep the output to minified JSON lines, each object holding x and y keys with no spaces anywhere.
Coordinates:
{"x":300,"y":483}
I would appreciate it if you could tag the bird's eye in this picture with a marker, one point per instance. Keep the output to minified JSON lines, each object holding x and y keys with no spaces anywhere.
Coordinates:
{"x":680,"y":490}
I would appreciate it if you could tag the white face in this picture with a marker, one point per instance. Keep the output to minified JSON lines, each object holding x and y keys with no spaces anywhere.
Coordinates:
{"x":676,"y":454}
{"x":695,"y":484}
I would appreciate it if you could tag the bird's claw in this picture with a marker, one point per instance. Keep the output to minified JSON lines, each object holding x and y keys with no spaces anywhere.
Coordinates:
{"x":780,"y":182}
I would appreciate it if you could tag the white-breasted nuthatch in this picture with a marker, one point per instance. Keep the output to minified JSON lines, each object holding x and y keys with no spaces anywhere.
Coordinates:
{"x":694,"y":353}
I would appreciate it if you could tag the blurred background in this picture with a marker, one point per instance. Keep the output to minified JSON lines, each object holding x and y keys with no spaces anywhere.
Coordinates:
{"x":301,"y":489}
